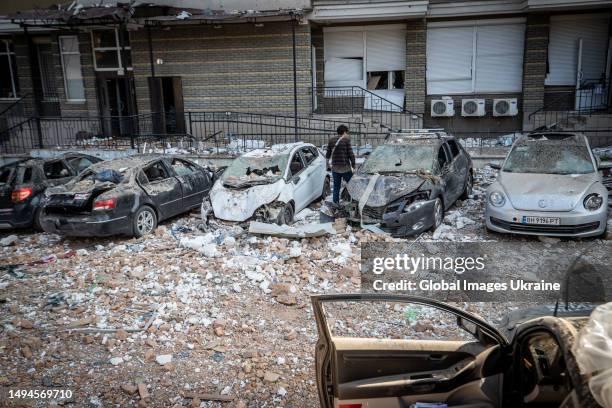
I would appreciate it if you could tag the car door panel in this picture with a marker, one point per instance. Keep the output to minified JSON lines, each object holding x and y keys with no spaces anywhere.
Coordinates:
{"x":166,"y":192}
{"x":392,"y":372}
{"x":194,"y":180}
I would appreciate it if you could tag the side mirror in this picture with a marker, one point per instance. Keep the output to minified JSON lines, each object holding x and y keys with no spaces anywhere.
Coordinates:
{"x":296,"y":180}
{"x":495,"y":166}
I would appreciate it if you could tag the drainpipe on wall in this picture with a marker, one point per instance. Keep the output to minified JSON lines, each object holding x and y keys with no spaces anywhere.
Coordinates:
{"x":128,"y":88}
{"x":151,"y":60}
{"x":295,"y":109}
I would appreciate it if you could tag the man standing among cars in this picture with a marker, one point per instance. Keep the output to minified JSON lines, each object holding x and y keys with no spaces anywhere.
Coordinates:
{"x":340,"y":159}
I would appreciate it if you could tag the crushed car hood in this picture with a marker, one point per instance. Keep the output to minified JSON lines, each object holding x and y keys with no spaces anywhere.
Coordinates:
{"x":546,"y":192}
{"x":387,"y":189}
{"x":233,"y":204}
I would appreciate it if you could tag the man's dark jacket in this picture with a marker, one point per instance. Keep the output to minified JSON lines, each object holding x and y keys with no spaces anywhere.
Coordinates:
{"x":343,"y":153}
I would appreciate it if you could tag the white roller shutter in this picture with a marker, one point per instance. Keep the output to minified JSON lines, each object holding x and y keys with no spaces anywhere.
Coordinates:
{"x":385,"y":50}
{"x":344,"y":72}
{"x":565,"y":32}
{"x":449,"y":60}
{"x":343,"y":44}
{"x":499,"y":58}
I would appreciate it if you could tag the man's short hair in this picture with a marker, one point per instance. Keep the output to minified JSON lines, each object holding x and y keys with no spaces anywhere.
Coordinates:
{"x":342,"y":129}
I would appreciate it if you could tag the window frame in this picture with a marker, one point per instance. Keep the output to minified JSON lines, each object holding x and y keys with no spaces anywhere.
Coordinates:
{"x":118,"y":48}
{"x":297,"y":154}
{"x":6,"y":52}
{"x":77,"y":52}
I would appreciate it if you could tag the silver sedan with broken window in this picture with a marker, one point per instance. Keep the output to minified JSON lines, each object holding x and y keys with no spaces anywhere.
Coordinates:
{"x":548,"y":185}
{"x":271,"y":184}
{"x":406,"y":184}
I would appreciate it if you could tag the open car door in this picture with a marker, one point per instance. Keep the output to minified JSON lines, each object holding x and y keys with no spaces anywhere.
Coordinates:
{"x":392,"y":351}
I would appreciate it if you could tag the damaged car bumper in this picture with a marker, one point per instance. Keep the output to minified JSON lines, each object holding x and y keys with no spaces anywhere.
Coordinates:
{"x":86,"y":225}
{"x":570,"y":223}
{"x":397,"y":220}
{"x":19,"y":216}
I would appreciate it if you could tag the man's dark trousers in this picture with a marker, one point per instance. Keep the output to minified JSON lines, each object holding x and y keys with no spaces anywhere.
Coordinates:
{"x":338,"y":177}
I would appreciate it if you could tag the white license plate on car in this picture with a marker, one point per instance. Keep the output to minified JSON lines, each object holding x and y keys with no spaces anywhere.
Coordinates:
{"x":541,"y":220}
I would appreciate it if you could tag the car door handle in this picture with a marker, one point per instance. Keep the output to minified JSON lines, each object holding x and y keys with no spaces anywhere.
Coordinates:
{"x":435,"y":357}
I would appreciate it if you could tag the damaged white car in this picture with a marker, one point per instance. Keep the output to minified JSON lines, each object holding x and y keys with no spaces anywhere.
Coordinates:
{"x":271,"y":184}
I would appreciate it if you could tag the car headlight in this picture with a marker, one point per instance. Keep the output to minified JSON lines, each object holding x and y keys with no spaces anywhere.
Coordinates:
{"x":416,"y":201}
{"x":593,"y":202}
{"x":497,"y":198}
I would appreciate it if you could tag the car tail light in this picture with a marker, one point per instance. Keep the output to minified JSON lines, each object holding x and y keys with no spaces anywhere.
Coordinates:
{"x":21,"y":194}
{"x":349,"y":406}
{"x":105,"y":204}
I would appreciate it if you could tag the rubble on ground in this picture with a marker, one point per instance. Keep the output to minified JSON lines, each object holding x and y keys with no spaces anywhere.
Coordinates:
{"x":194,"y":314}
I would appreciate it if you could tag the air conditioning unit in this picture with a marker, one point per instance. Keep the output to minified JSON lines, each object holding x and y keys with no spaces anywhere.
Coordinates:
{"x":472,"y":107}
{"x":442,"y":107}
{"x":505,"y":107}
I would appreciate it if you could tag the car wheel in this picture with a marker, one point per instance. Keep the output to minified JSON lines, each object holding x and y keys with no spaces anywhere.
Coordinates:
{"x":469,"y":187}
{"x":285,"y":216}
{"x":438,"y":214}
{"x":144,"y":221}
{"x":36,"y":223}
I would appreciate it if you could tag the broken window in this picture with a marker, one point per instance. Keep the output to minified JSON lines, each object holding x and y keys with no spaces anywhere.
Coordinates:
{"x":8,"y":70}
{"x":108,"y":50}
{"x":258,"y":167}
{"x":182,"y":168}
{"x":296,"y":165}
{"x":156,"y":172}
{"x":80,"y":163}
{"x":24,"y":175}
{"x":5,"y":174}
{"x":385,"y":80}
{"x":442,"y":158}
{"x":309,"y":155}
{"x":56,"y":169}
{"x":142,"y":178}
{"x":453,"y":148}
{"x":549,"y":158}
{"x":399,"y":159}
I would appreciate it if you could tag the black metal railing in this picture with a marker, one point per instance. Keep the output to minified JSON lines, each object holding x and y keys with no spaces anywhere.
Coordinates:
{"x":374,"y":110}
{"x":570,"y":109}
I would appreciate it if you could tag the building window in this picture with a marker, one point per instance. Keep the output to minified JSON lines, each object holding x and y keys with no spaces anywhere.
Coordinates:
{"x":483,"y":56}
{"x":71,"y":66}
{"x":108,"y":46}
{"x":8,"y":70}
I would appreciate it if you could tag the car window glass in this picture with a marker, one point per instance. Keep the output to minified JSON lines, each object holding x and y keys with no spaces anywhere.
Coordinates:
{"x":5,"y":174}
{"x":156,"y":172}
{"x":80,"y":163}
{"x":453,"y":148}
{"x":142,"y":178}
{"x":182,"y":168}
{"x":308,"y":155}
{"x":392,"y":320}
{"x":442,"y":159}
{"x":56,"y":169}
{"x":296,"y":165}
{"x":24,"y":175}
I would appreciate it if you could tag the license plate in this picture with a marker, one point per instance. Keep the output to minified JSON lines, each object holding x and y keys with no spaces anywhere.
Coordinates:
{"x":541,"y":220}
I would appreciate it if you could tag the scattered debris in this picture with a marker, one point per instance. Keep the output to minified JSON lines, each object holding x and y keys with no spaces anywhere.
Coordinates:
{"x":287,"y":231}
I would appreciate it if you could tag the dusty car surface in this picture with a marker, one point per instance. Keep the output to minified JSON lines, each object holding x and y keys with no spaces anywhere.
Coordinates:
{"x":393,"y":363}
{"x":23,"y":183}
{"x":272,"y":184}
{"x":128,"y":195}
{"x":548,"y":185}
{"x":407,"y":183}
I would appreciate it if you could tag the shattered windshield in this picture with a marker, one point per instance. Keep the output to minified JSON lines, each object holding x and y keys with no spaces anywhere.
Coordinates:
{"x":549,"y":158}
{"x":399,"y":159}
{"x":251,"y":170}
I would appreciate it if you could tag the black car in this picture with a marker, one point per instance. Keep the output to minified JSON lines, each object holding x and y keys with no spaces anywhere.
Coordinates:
{"x":128,"y":196}
{"x":23,"y":182}
{"x":408,"y":182}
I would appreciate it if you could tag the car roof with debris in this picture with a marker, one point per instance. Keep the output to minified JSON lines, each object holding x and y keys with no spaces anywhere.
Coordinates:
{"x":565,"y":138}
{"x":275,"y":150}
{"x":418,"y":137}
{"x":126,"y":162}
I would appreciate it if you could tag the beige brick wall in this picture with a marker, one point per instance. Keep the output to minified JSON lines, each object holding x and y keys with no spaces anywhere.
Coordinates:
{"x":237,"y":67}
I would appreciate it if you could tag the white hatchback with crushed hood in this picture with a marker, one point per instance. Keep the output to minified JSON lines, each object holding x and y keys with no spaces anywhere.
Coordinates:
{"x":272,"y":184}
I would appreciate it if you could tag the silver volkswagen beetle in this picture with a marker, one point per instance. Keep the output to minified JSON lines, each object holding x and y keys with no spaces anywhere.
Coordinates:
{"x":548,"y":185}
